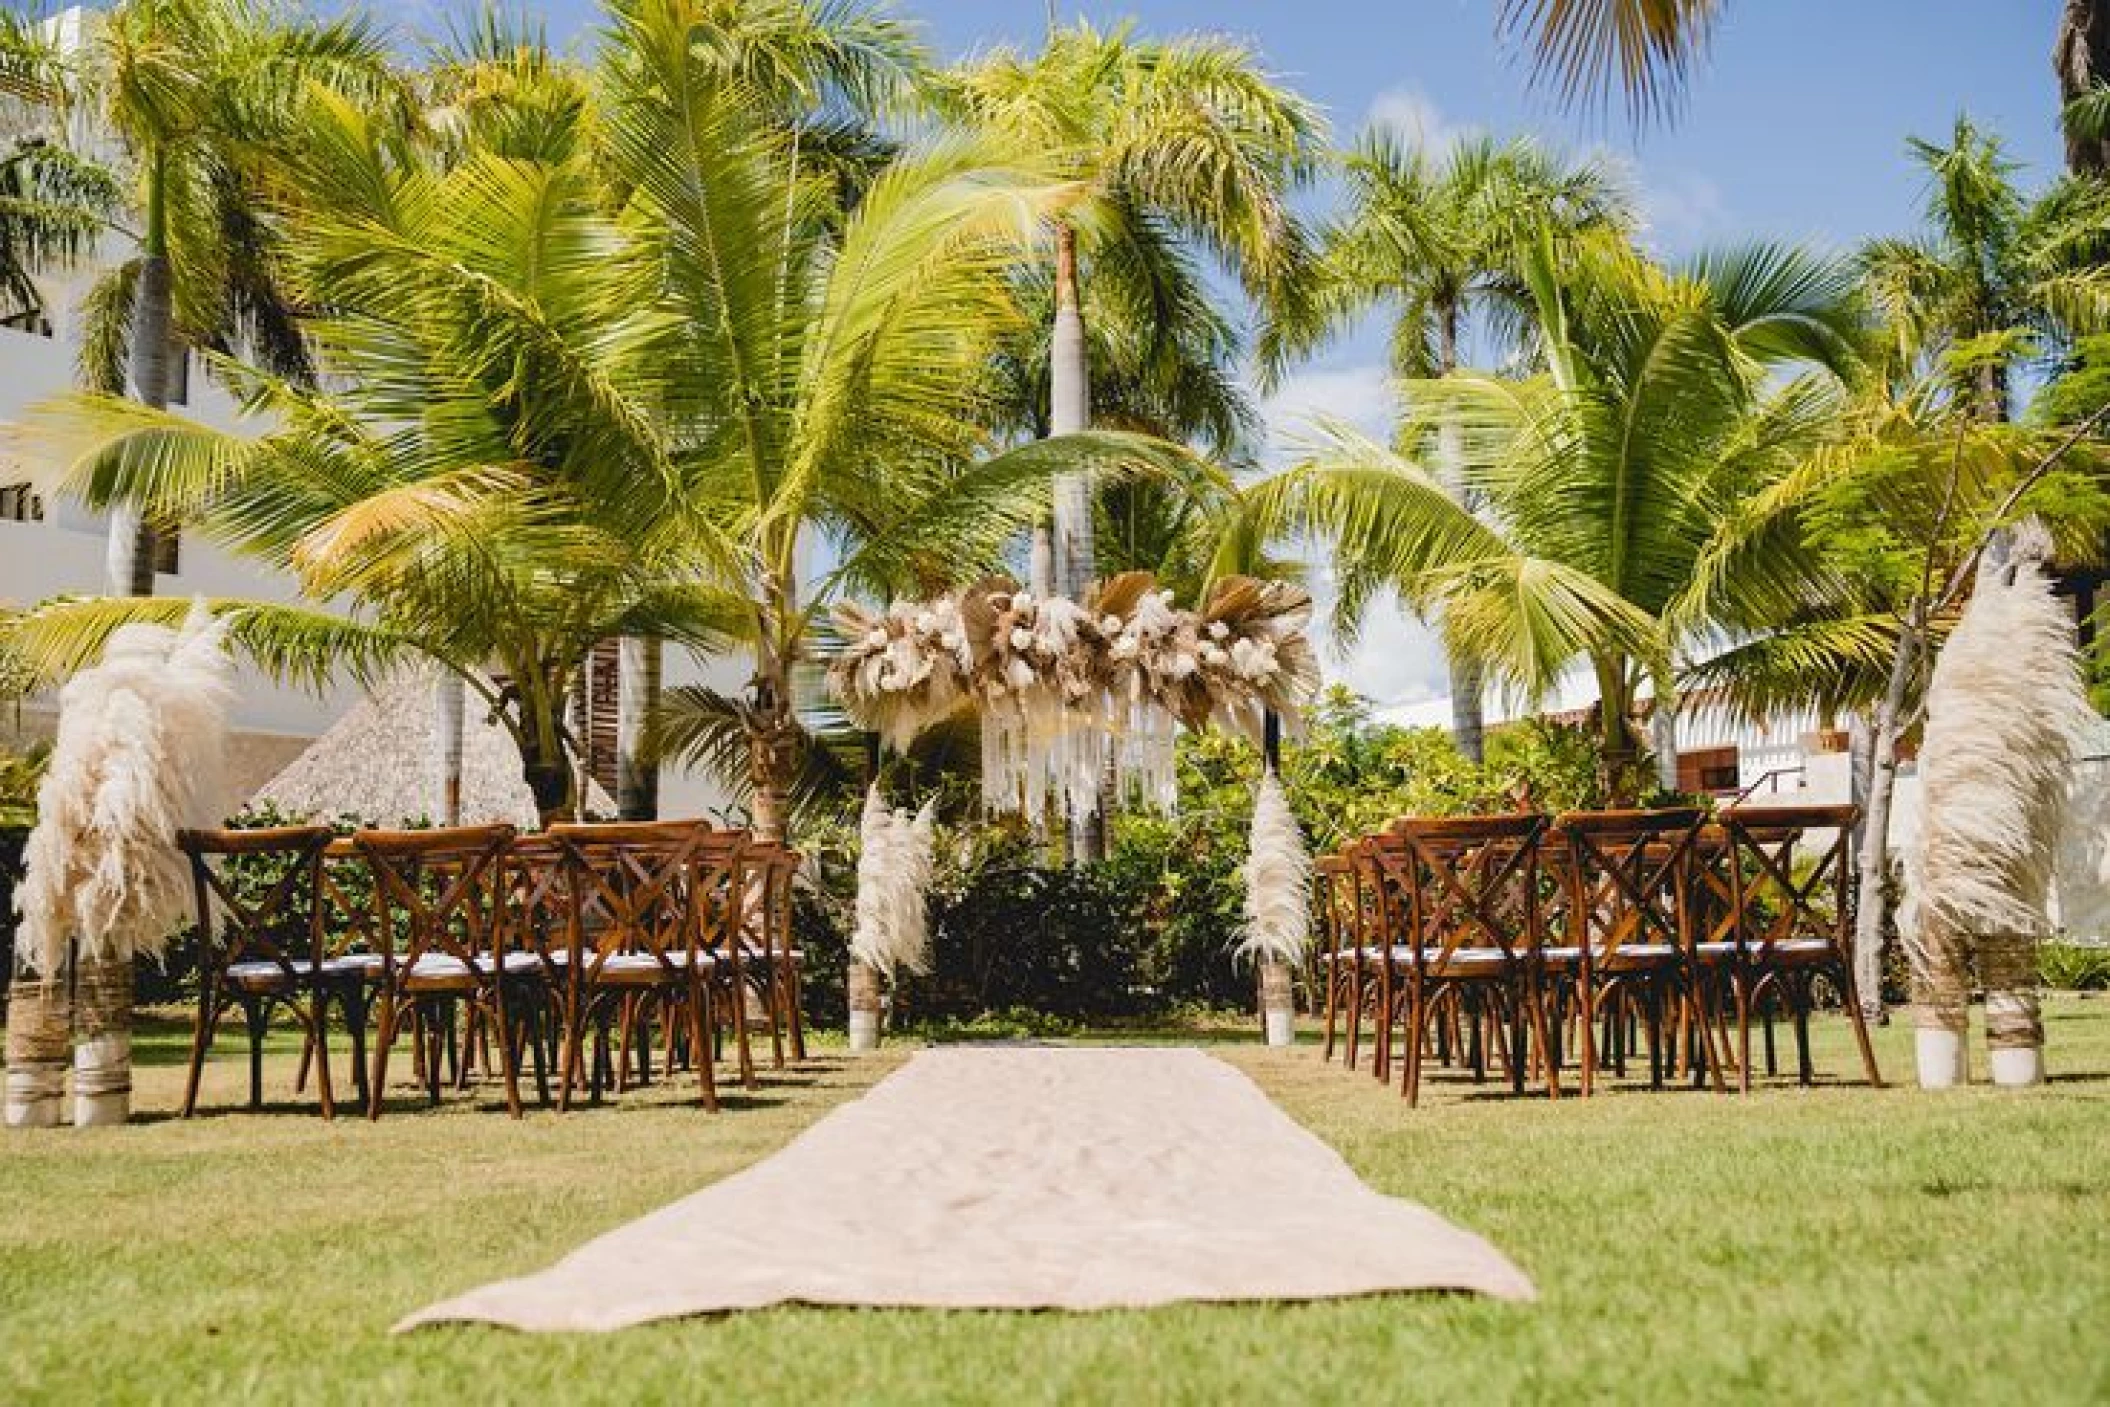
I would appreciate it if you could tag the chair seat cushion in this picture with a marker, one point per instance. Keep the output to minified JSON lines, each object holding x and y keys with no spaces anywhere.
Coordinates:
{"x":264,"y":975}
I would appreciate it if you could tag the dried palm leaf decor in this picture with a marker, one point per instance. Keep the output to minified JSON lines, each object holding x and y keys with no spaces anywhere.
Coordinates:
{"x":1071,"y":694}
{"x":139,"y":755}
{"x":2007,"y":715}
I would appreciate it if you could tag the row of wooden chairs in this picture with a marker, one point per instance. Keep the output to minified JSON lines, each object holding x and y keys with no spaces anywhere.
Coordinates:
{"x":1549,"y":943}
{"x":487,"y":949}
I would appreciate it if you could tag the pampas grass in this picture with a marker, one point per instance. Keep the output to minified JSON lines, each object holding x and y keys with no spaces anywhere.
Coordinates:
{"x":1277,"y":882}
{"x":2006,"y":716}
{"x":892,"y":932}
{"x":140,"y":754}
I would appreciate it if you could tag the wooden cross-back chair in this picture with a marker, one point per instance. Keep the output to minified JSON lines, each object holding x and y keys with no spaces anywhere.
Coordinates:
{"x":769,"y":950}
{"x":1461,"y":896}
{"x":1630,"y":938}
{"x":440,"y":916}
{"x":261,"y":950}
{"x":634,"y":947}
{"x":1790,"y":928}
{"x":1345,"y":977}
{"x":725,"y":862}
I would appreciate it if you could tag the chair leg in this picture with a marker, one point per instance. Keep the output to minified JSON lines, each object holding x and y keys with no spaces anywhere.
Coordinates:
{"x":318,"y":1024}
{"x":255,"y":1018}
{"x":1844,"y":981}
{"x":384,"y":1037}
{"x":798,"y":1011}
{"x":200,"y":1042}
{"x":700,"y":1023}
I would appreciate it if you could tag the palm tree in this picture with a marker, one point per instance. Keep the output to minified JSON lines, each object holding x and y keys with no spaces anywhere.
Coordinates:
{"x":1184,"y":140}
{"x":2080,"y":57}
{"x":1992,"y":264}
{"x":1640,"y":496}
{"x":1587,"y":48}
{"x":201,"y":95}
{"x":822,"y":72}
{"x":54,"y":204}
{"x":475,"y":476}
{"x":1436,"y":238}
{"x":826,"y":371}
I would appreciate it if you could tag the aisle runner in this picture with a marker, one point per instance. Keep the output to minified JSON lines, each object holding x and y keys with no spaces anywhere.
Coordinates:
{"x":1016,"y":1179}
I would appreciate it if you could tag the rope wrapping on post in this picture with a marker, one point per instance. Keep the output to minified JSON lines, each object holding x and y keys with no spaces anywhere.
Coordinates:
{"x":39,"y":1046}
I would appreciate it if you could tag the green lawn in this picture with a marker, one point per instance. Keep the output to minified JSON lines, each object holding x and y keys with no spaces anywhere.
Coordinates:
{"x":1837,"y":1244}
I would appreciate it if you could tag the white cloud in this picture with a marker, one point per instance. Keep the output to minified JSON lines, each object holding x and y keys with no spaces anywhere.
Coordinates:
{"x":1360,"y":395}
{"x":1414,"y":116}
{"x":1683,"y":210}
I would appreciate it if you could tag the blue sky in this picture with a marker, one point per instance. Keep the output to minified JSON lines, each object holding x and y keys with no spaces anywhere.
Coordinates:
{"x":1794,"y":129}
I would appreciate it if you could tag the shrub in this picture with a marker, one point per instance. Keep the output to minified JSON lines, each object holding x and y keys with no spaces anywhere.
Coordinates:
{"x":2074,"y":966}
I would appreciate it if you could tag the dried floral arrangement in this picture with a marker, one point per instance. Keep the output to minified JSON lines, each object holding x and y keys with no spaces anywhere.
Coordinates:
{"x":1072,"y":694}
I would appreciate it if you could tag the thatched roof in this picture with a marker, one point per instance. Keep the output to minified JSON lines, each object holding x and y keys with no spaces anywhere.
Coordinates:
{"x":381,"y":763}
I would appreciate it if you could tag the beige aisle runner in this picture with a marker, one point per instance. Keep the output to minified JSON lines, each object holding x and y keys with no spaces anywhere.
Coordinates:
{"x":1015,"y":1178}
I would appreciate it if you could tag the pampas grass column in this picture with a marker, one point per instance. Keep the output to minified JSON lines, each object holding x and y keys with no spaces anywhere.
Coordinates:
{"x":2006,"y":716}
{"x":1277,"y":906}
{"x":139,"y":756}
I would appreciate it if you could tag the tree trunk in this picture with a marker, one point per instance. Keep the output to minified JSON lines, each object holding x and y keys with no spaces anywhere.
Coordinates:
{"x":1872,"y":910}
{"x":129,"y":556}
{"x":637,"y":696}
{"x":1468,"y":712}
{"x":449,"y":708}
{"x":1069,"y":412}
{"x":1663,"y":737}
{"x":128,"y":562}
{"x":1467,"y":678}
{"x":2081,"y":59}
{"x":1617,"y":755}
{"x":39,"y":1043}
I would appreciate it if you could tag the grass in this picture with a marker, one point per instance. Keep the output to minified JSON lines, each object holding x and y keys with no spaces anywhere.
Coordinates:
{"x":1836,"y":1243}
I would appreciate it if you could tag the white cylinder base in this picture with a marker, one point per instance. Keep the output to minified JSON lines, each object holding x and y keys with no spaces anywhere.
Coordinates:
{"x":36,"y":1096}
{"x":2014,"y":1068}
{"x":102,"y":1080}
{"x":1281,"y":1028}
{"x":1941,"y":1058}
{"x":864,"y":1032}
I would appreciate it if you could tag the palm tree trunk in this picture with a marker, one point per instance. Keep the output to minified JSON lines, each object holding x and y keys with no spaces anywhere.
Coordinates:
{"x":1617,"y":755}
{"x":2081,"y":59}
{"x":1069,"y":412}
{"x":637,"y":696}
{"x":1468,"y":706}
{"x":128,"y":563}
{"x":449,"y":707}
{"x":1663,"y":737}
{"x":1468,"y":681}
{"x":1872,"y":911}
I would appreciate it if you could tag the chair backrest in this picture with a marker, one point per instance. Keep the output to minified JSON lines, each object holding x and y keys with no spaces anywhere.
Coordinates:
{"x":1630,"y":877}
{"x":631,"y":890}
{"x":771,"y":868}
{"x":1465,"y":882}
{"x":277,"y":919}
{"x":1770,"y":904}
{"x":438,"y":892}
{"x":724,"y":861}
{"x":537,"y":894}
{"x":1335,"y":895}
